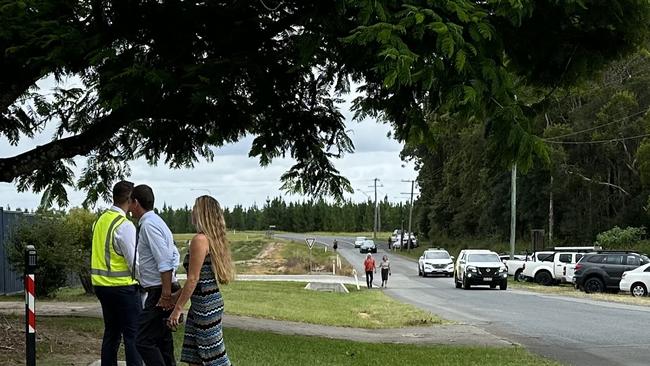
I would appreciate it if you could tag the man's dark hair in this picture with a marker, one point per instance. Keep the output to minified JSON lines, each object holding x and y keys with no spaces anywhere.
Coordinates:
{"x":122,"y":191}
{"x":144,"y":194}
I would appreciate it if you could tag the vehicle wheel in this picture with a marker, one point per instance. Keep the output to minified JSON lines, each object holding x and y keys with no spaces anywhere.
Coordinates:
{"x":638,"y":289}
{"x":466,"y":284}
{"x":493,"y":285}
{"x":519,"y":276}
{"x":458,"y":284}
{"x":593,"y":285}
{"x":503,"y":285}
{"x":544,"y":278}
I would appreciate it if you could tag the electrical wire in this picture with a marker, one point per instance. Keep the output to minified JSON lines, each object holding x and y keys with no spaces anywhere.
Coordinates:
{"x":597,"y":127}
{"x":598,"y":141}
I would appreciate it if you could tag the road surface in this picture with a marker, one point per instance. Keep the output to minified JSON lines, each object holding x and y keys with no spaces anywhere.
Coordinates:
{"x":569,"y":330}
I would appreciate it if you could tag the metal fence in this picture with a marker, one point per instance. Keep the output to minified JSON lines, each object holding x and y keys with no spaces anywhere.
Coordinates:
{"x":11,"y":282}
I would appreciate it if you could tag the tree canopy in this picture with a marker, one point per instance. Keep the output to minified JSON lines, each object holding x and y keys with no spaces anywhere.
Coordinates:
{"x":168,"y":80}
{"x":599,"y":146}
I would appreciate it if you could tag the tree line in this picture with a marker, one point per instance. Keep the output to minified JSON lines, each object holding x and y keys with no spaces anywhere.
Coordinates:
{"x":309,"y":215}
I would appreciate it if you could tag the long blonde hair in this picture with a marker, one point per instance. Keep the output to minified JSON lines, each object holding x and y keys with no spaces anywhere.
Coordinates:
{"x":209,"y":220}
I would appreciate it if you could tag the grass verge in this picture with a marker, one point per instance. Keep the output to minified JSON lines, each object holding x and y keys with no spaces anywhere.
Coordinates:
{"x":568,"y":290}
{"x":289,"y":301}
{"x":77,"y":341}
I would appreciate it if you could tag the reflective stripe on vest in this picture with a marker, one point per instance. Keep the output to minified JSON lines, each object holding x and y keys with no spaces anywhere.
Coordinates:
{"x":108,"y":268}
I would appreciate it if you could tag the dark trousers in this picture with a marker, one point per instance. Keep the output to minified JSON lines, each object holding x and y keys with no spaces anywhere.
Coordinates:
{"x":120,"y":309}
{"x":154,"y":341}
{"x":369,"y":278}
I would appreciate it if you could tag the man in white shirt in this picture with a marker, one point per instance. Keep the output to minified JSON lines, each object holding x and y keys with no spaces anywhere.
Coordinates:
{"x":113,"y":268}
{"x":159,"y":259}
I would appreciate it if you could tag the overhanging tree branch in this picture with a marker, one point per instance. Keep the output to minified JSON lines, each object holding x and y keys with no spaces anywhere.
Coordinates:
{"x":65,"y":148}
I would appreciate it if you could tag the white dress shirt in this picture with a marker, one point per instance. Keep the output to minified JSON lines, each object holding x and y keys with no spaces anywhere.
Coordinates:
{"x":156,"y":250}
{"x":124,"y":241}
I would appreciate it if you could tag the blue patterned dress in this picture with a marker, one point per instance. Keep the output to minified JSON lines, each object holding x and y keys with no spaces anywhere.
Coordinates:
{"x":203,"y":343}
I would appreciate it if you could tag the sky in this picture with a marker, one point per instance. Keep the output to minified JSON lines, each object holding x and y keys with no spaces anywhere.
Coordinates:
{"x":234,"y":178}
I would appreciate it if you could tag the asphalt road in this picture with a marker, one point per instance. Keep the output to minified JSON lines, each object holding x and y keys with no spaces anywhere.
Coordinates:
{"x":569,"y":330}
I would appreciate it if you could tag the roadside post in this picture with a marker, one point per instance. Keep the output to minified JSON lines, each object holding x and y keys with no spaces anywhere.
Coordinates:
{"x":310,"y":244}
{"x":30,"y":312}
{"x":356,"y":279}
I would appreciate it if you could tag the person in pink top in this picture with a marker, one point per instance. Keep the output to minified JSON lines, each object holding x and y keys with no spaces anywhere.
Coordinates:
{"x":369,"y":266}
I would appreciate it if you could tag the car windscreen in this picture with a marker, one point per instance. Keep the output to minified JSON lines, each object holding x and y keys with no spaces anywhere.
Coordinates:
{"x":368,"y":243}
{"x":483,"y":258}
{"x":436,"y":255}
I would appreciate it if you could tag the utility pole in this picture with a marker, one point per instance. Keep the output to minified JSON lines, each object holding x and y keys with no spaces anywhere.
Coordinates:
{"x":410,"y":212}
{"x":550,"y":214}
{"x":513,"y":210}
{"x":374,"y":226}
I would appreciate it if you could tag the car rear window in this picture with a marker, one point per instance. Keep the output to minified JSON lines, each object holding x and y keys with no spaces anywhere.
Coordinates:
{"x":633,"y":260}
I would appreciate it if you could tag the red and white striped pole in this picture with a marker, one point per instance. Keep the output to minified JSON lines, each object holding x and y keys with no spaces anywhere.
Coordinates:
{"x":30,"y":310}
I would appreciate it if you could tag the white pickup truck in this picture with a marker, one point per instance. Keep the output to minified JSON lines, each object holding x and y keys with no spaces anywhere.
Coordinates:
{"x":550,"y":268}
{"x":516,"y":266}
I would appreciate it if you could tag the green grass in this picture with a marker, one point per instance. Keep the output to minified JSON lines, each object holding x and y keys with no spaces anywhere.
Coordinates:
{"x":66,"y":294}
{"x":77,"y":341}
{"x":290,"y":301}
{"x":259,"y":348}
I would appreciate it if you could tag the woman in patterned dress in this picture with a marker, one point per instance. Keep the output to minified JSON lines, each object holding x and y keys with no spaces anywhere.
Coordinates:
{"x":208,"y":263}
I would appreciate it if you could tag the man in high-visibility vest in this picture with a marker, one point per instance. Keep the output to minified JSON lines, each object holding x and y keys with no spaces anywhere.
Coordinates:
{"x":113,"y":268}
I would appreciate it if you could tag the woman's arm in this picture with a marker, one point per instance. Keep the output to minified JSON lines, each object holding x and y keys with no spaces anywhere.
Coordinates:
{"x":199,"y":248}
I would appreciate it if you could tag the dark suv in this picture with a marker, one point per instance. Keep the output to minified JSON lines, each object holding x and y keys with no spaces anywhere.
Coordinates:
{"x":600,"y":271}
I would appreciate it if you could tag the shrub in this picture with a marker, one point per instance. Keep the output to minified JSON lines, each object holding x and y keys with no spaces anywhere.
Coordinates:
{"x":617,"y":238}
{"x":47,"y":235}
{"x":63,"y":243}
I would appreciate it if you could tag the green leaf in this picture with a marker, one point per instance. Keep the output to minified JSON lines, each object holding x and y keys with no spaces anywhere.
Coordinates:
{"x":460,"y":60}
{"x":448,"y":46}
{"x":439,"y":27}
{"x":419,"y":18}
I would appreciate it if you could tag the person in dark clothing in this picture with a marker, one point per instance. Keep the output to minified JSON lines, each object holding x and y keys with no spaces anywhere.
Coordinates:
{"x":336,"y":245}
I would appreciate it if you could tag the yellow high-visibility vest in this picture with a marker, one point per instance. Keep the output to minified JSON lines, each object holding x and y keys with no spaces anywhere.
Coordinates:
{"x":107,"y":267}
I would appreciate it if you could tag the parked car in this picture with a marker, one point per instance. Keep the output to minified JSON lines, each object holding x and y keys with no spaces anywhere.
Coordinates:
{"x":636,"y":281}
{"x":550,"y":269}
{"x":368,"y":246}
{"x":516,"y":266}
{"x":480,"y":267}
{"x":399,"y":243}
{"x":600,"y":271}
{"x":359,"y":240}
{"x":436,"y":261}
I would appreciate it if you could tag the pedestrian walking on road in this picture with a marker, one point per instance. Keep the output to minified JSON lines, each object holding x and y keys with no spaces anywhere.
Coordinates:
{"x":385,"y":270}
{"x":208,"y":263}
{"x":336,"y":245}
{"x":370,"y":268}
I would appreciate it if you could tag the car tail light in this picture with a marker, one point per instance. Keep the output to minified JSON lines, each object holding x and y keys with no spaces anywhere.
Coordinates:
{"x":578,"y":267}
{"x":564,"y":271}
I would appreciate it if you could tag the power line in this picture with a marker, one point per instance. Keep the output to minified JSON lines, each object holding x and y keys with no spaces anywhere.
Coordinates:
{"x":598,"y":141}
{"x":597,"y":127}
